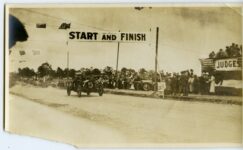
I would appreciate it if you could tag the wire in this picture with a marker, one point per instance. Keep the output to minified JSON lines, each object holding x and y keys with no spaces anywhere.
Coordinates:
{"x":58,"y":18}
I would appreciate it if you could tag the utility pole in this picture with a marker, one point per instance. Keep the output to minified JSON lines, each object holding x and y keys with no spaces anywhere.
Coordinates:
{"x":156,"y":59}
{"x":117,"y":61}
{"x":67,"y":61}
{"x":65,"y":26}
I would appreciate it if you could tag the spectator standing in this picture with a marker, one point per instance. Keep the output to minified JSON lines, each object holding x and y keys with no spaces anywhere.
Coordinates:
{"x":202,"y":84}
{"x":195,"y":84}
{"x":190,"y":81}
{"x":237,"y":51}
{"x":212,"y":54}
{"x":221,"y":54}
{"x":207,"y":84}
{"x":240,"y":50}
{"x":174,"y":84}
{"x":177,"y":83}
{"x":228,"y":51}
{"x":184,"y":83}
{"x":232,"y":50}
{"x":168,"y":85}
{"x":180,"y":84}
{"x":212,"y":84}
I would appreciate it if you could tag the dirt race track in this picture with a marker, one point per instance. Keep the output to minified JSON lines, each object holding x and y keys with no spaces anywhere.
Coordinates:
{"x":114,"y":120}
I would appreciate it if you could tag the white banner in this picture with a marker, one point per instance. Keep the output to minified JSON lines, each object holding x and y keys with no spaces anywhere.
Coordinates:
{"x":230,"y":64}
{"x":81,"y":36}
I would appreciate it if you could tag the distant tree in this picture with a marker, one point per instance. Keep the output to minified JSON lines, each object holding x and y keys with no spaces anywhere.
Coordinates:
{"x":44,"y":69}
{"x":52,"y":73}
{"x":65,"y":72}
{"x":19,"y":71}
{"x":72,"y":73}
{"x":142,"y":71}
{"x":26,"y":72}
{"x":59,"y":73}
{"x":69,"y":72}
{"x":82,"y":69}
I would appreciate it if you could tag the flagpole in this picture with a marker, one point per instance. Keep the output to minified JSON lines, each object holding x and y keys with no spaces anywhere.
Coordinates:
{"x":68,"y":59}
{"x":66,"y":26}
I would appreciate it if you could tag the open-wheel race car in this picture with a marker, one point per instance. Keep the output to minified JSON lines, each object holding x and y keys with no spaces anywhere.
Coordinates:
{"x":87,"y":85}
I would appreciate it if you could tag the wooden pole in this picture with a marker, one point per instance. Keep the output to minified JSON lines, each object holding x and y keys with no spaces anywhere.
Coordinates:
{"x":117,"y":61}
{"x":67,"y":61}
{"x":156,"y":59}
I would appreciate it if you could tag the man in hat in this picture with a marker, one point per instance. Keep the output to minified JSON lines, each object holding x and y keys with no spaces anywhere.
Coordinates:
{"x":184,"y":82}
{"x":212,"y":54}
{"x":221,"y":54}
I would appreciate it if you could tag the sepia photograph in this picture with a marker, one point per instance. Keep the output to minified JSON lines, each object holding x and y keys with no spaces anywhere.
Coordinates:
{"x":124,"y":75}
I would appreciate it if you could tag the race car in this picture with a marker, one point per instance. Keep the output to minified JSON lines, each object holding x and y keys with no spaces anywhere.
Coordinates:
{"x":86,"y":85}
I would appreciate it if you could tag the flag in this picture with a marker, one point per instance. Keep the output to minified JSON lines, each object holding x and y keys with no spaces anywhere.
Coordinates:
{"x":65,"y":26}
{"x":40,"y":25}
{"x":22,"y":52}
{"x":207,"y":63}
{"x":138,"y":8}
{"x":36,"y":52}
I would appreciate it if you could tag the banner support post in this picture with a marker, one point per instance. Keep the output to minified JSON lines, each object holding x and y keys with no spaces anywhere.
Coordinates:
{"x":117,"y":61}
{"x":156,"y":59}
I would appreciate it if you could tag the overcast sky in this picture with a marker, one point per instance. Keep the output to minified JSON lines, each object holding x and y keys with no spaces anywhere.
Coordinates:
{"x":186,"y":34}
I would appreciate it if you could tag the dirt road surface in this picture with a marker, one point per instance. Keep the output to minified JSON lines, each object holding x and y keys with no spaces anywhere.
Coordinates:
{"x":113,"y":120}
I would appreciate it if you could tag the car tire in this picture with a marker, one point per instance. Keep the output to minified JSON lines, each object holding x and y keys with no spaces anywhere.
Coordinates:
{"x":90,"y":85}
{"x":146,"y":87}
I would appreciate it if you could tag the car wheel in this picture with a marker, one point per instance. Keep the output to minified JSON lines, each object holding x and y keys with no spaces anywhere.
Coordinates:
{"x":146,"y":87}
{"x":90,"y":85}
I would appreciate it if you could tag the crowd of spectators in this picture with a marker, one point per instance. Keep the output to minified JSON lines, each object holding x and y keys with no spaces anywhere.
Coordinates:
{"x":180,"y":84}
{"x":233,"y":50}
{"x":187,"y":82}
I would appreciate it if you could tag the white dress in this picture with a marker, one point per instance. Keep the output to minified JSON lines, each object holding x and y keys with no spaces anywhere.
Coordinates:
{"x":190,"y":81}
{"x":212,"y":85}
